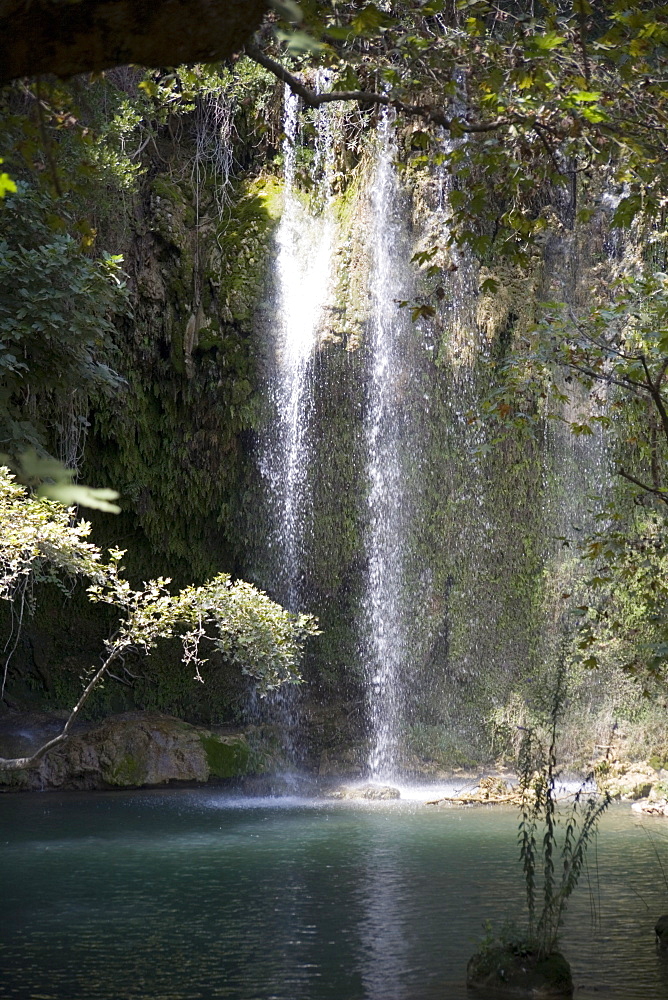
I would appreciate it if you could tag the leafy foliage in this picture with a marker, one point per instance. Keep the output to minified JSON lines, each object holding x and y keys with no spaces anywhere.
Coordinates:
{"x":606,"y":366}
{"x":559,"y":861}
{"x":549,"y":97}
{"x":56,"y":329}
{"x":39,"y":540}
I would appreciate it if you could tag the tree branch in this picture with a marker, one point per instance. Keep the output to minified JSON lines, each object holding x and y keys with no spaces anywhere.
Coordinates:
{"x":19,"y":763}
{"x":638,"y":388}
{"x":661,"y":494}
{"x":314,"y":100}
{"x":657,"y":399}
{"x":65,"y":38}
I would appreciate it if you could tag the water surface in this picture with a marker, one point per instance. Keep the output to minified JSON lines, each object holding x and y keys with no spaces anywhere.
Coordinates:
{"x":178,"y":895}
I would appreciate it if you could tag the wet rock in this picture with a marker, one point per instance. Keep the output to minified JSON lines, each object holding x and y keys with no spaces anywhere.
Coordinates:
{"x":369,"y":791}
{"x":661,"y":931}
{"x":629,"y":787}
{"x":136,"y":750}
{"x":501,"y":970}
{"x":651,"y":807}
{"x":624,"y":780}
{"x":345,"y":763}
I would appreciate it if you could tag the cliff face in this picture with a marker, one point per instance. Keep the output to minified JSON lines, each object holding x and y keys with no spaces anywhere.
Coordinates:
{"x":184,"y":435}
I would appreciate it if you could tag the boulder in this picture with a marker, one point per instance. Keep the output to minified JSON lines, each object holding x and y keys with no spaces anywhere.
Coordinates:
{"x":368,"y":791}
{"x":624,"y":780}
{"x":501,"y":970}
{"x":661,"y":931}
{"x":651,"y":807}
{"x":136,"y":750}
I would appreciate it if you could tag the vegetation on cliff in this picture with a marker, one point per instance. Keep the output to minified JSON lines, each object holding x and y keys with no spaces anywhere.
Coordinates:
{"x":141,"y":230}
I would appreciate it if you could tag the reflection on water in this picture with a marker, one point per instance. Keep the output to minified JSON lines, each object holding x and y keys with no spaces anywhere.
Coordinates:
{"x":384,"y":939}
{"x":183,"y":895}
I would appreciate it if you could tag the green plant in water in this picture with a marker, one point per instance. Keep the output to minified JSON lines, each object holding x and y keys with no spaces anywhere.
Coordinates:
{"x":561,"y":858}
{"x":526,"y":961}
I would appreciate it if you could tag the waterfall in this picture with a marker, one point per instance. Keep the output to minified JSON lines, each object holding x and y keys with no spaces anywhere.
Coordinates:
{"x":424,"y":544}
{"x":388,"y":432}
{"x":305,"y":242}
{"x":302,"y":288}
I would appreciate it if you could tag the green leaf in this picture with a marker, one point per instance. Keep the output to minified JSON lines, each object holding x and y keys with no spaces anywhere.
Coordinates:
{"x":547,"y":41}
{"x":71,"y":494}
{"x":368,"y":20}
{"x":586,"y":95}
{"x":288,"y":10}
{"x":7,"y":185}
{"x":422,"y":311}
{"x":298,"y":42}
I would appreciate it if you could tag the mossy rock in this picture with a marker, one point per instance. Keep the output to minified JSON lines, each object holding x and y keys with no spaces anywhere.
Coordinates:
{"x":139,"y":749}
{"x":504,"y":971}
{"x":128,"y":772}
{"x":227,"y":756}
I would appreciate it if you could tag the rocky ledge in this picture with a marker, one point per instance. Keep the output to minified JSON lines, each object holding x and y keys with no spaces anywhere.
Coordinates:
{"x":632,"y":781}
{"x":368,"y":791}
{"x":135,"y":750}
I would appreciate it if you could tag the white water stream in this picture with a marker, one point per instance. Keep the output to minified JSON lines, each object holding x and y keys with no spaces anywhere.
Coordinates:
{"x":303,"y":287}
{"x":305,"y":240}
{"x":387,"y":429}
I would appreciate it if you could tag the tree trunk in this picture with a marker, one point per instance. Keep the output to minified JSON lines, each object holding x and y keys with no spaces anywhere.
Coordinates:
{"x":66,"y":38}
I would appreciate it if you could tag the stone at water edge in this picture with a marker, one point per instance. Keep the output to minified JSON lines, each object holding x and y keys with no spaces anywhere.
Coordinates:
{"x":369,"y":791}
{"x":625,"y":780}
{"x":137,"y":749}
{"x":649,"y":807}
{"x":501,"y":970}
{"x":661,"y":931}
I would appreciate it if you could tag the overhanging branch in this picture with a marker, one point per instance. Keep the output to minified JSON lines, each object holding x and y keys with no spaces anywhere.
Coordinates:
{"x":20,"y":763}
{"x":661,"y":494}
{"x":314,"y":100}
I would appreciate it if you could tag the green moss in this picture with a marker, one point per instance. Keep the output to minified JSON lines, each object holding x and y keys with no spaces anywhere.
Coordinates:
{"x":244,"y":238}
{"x":227,"y":757}
{"x":164,"y":187}
{"x":269,"y":189}
{"x":127,"y":773}
{"x":14,"y":781}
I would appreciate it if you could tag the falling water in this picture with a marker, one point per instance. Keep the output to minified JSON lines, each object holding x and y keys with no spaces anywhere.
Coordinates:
{"x":305,"y":243}
{"x":387,"y":430}
{"x":303,"y":278}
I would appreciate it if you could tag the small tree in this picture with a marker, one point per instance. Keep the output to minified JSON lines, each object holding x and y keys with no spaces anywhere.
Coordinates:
{"x":561,"y":857}
{"x":39,"y":541}
{"x":553,"y":849}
